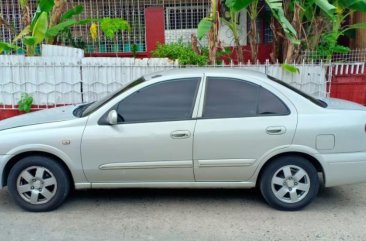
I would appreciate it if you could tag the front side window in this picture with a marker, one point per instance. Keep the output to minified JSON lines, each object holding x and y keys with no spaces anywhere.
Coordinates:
{"x":167,"y":101}
{"x":233,"y":98}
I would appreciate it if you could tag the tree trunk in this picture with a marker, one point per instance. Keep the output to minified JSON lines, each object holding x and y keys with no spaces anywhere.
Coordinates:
{"x":213,"y":33}
{"x":293,"y":51}
{"x":317,"y":28}
{"x":6,"y":24}
{"x":195,"y":46}
{"x":239,"y":51}
{"x":26,"y":19}
{"x":57,"y":11}
{"x":277,"y":43}
{"x":252,"y":34}
{"x":212,"y":44}
{"x":360,"y":39}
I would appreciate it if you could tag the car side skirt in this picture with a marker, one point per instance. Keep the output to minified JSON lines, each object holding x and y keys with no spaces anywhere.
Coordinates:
{"x":166,"y":185}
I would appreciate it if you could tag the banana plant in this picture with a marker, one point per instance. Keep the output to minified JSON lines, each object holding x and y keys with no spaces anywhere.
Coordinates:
{"x":7,"y":47}
{"x":208,"y":23}
{"x":43,"y":27}
{"x":38,"y":33}
{"x":209,"y":26}
{"x":329,"y":40}
{"x":276,"y":7}
{"x":109,"y":26}
{"x":34,"y":33}
{"x":66,"y":21}
{"x":232,"y":24}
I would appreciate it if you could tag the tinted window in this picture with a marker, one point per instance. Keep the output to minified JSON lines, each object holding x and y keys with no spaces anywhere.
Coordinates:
{"x":227,"y":98}
{"x":171,"y":100}
{"x":269,"y":104}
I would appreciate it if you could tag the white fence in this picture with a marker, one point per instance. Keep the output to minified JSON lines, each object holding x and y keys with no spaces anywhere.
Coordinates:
{"x":60,"y":81}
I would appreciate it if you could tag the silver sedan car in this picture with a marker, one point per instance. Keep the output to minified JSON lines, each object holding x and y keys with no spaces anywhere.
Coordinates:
{"x":187,"y":128}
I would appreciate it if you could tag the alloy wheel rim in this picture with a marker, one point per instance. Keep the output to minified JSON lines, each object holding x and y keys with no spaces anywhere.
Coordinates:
{"x":36,"y":185}
{"x":290,"y":184}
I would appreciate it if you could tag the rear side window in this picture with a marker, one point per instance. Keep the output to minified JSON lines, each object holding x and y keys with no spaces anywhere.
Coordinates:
{"x":166,"y":101}
{"x":228,"y":98}
{"x":233,"y":98}
{"x":269,"y":104}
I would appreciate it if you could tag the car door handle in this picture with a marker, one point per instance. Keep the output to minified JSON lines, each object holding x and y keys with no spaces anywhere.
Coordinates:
{"x":276,"y":130}
{"x":180,"y":134}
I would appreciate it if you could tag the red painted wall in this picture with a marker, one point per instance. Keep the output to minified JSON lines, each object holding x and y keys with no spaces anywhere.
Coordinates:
{"x":349,"y":87}
{"x":154,"y":27}
{"x":10,"y":111}
{"x":4,"y":114}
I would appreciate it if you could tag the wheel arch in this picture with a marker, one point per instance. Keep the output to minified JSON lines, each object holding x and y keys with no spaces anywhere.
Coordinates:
{"x":314,"y":161}
{"x":20,"y":156}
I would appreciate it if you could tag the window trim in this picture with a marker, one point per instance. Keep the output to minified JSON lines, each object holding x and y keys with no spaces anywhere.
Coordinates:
{"x":206,"y":80}
{"x":102,"y":120}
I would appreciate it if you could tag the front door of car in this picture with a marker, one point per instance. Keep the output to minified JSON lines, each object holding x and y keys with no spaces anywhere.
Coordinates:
{"x":240,"y":123}
{"x":152,"y":141}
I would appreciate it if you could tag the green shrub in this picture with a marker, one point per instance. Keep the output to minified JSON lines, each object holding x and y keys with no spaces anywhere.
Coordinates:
{"x":25,"y":102}
{"x":181,"y":52}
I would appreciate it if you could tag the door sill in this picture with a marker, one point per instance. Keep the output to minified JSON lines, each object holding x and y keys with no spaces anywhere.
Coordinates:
{"x":174,"y":185}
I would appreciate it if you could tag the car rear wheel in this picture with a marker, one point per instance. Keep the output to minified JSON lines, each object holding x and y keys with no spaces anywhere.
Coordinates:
{"x":38,"y":184}
{"x":289,"y":183}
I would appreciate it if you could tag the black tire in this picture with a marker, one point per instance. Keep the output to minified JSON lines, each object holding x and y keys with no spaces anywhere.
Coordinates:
{"x":50,"y":172}
{"x":297,"y":193}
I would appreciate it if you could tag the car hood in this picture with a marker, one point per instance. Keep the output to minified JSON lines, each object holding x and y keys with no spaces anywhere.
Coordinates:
{"x":39,"y":117}
{"x":339,"y":104}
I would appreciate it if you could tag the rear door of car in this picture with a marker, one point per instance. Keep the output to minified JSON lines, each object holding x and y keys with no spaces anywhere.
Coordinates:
{"x":239,"y":123}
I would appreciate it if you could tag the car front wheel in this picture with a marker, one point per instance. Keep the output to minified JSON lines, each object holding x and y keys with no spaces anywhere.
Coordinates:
{"x":289,"y":183}
{"x":38,"y":184}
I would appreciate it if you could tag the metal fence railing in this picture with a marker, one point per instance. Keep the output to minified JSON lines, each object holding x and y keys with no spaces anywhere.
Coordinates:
{"x":354,"y":55}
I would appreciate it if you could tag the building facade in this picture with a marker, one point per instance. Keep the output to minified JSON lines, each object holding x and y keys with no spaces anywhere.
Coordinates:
{"x":179,"y":19}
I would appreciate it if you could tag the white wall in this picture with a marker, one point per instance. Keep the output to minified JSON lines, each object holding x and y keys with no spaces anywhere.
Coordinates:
{"x":60,"y":80}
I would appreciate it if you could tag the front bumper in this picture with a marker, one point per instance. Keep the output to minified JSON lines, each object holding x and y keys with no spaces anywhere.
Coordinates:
{"x":3,"y":160}
{"x":344,"y":168}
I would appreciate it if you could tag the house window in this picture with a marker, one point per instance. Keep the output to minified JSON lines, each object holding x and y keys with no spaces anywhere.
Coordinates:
{"x":185,"y":17}
{"x":181,"y":21}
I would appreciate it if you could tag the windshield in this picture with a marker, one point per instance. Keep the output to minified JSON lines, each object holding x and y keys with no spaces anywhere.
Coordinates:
{"x":91,"y":107}
{"x":303,"y":94}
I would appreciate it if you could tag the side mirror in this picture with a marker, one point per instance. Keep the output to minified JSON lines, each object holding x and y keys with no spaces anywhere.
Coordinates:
{"x":112,"y":118}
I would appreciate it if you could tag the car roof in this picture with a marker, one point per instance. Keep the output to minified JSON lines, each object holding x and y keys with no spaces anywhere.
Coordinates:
{"x":204,"y":70}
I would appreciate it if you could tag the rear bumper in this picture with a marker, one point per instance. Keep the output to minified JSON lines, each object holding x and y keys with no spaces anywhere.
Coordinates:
{"x":344,"y":168}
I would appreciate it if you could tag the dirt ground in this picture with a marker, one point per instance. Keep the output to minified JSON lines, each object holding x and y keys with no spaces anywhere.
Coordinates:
{"x":143,"y":214}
